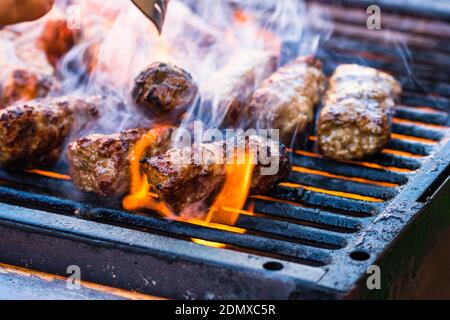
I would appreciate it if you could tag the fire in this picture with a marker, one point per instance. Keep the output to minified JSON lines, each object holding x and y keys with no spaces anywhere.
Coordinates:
{"x":49,"y":174}
{"x":225,"y":209}
{"x":140,"y":196}
{"x":228,"y":204}
{"x":234,"y":193}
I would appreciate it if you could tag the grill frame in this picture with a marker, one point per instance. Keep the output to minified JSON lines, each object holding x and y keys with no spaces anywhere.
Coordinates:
{"x":135,"y":252}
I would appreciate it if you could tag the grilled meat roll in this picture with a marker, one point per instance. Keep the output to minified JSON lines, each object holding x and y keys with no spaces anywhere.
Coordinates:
{"x":231,"y":88}
{"x":184,"y":183}
{"x":164,"y":90}
{"x":26,"y":85}
{"x":57,"y":39}
{"x":355,"y":121}
{"x":28,"y":77}
{"x":101,"y":163}
{"x":33,"y":133}
{"x":287,"y":99}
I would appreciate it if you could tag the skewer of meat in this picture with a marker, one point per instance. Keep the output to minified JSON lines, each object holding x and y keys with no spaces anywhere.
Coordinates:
{"x":231,"y":88}
{"x":355,"y":121}
{"x":164,"y":91}
{"x":184,"y":183}
{"x":286,"y":100}
{"x":101,"y":163}
{"x":33,"y":133}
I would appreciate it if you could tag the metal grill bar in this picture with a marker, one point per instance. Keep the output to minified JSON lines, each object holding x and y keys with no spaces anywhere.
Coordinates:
{"x":416,"y":131}
{"x":302,"y":253}
{"x":421,"y":57}
{"x":291,"y":231}
{"x":412,"y":147}
{"x":384,"y":193}
{"x":437,"y":118}
{"x":307,"y":214}
{"x":307,"y":197}
{"x":350,"y":170}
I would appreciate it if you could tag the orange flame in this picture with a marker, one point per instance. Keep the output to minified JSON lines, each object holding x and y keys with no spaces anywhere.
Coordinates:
{"x":225,"y":210}
{"x":228,"y":204}
{"x":140,"y":196}
{"x":49,"y":174}
{"x":233,"y":194}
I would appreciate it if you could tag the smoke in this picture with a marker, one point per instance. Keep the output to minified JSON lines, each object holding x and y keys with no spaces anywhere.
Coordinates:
{"x":201,"y":36}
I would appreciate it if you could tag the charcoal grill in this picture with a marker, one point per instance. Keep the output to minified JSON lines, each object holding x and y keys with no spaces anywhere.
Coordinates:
{"x":314,"y":237}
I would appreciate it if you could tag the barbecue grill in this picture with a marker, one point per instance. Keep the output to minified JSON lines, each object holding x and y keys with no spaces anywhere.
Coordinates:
{"x":314,"y":236}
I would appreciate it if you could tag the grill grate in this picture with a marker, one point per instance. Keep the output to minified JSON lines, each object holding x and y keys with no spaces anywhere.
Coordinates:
{"x":318,"y":216}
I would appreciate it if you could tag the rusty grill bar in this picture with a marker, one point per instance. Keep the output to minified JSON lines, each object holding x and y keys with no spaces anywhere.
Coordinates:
{"x":325,"y":210}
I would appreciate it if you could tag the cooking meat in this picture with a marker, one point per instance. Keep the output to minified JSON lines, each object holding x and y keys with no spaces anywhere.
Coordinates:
{"x":231,"y":88}
{"x":26,"y":77}
{"x":33,"y":133}
{"x":287,"y":99}
{"x":164,"y":90}
{"x":57,"y":39}
{"x":101,"y":163}
{"x":355,"y":121}
{"x":184,"y":183}
{"x":25,"y":85}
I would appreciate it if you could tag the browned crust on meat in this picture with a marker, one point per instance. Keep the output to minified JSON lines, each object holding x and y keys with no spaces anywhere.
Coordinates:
{"x":164,"y":90}
{"x":231,"y":88}
{"x":181,"y":183}
{"x":101,"y":163}
{"x":356,"y":119}
{"x":57,"y":39}
{"x":287,"y":99}
{"x":25,"y":85}
{"x":33,"y":134}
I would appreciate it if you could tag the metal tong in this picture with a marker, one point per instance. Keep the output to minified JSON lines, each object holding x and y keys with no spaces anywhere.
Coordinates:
{"x":155,"y":10}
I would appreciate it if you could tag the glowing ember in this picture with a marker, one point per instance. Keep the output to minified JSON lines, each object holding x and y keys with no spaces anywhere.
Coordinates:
{"x":332,"y":192}
{"x":50,"y":174}
{"x":335,"y":176}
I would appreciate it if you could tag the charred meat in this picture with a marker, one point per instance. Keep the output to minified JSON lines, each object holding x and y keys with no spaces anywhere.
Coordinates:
{"x":183,"y":183}
{"x":286,"y":100}
{"x":164,"y":90}
{"x":231,"y":88}
{"x":101,"y":163}
{"x":356,"y":119}
{"x":33,"y":133}
{"x":28,"y":77}
{"x":26,"y":85}
{"x":57,"y":39}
